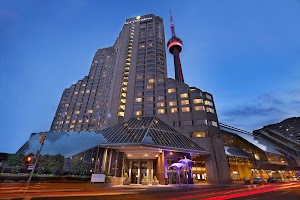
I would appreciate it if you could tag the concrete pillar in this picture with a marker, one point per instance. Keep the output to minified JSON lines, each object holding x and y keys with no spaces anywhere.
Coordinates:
{"x":116,"y":163}
{"x":104,"y":160}
{"x":109,"y":161}
{"x":130,"y":167}
{"x":139,"y":172}
{"x":151,"y":170}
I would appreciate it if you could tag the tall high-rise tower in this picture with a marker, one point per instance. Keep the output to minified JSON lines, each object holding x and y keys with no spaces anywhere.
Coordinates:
{"x":175,"y":47}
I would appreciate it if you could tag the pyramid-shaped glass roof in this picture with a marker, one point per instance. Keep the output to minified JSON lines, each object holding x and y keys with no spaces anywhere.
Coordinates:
{"x":146,"y":131}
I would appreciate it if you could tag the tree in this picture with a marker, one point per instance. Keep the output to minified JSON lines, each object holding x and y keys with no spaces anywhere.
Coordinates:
{"x":49,"y":164}
{"x":79,"y":166}
{"x":15,"y":162}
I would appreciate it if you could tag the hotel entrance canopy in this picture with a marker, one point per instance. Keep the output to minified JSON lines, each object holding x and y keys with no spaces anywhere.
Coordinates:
{"x":149,"y":132}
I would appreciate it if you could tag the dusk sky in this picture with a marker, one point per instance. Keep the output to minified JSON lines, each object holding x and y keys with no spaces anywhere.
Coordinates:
{"x":246,"y":53}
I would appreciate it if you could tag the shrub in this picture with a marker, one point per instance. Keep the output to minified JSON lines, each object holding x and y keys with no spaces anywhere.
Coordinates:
{"x":145,"y":179}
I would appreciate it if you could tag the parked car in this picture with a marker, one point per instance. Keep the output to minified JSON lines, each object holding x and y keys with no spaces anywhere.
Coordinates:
{"x":293,"y":179}
{"x":272,"y":180}
{"x":259,"y":180}
{"x":282,"y":180}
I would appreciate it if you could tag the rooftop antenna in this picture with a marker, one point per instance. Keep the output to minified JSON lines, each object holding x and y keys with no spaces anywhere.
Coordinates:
{"x":172,"y":25}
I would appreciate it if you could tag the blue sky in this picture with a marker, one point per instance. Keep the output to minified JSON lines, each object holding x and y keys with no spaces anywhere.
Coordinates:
{"x":246,"y":53}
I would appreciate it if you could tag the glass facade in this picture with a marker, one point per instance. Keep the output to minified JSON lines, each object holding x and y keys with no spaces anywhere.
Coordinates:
{"x":137,"y":131}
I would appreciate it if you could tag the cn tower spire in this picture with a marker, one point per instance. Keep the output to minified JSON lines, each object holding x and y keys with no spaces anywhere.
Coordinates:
{"x":175,"y":47}
{"x":172,"y":25}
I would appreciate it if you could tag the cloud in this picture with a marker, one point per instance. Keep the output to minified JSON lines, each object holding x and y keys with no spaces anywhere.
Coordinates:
{"x":265,"y":109}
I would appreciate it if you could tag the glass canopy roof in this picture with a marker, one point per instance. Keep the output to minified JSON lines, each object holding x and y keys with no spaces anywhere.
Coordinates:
{"x":231,"y":151}
{"x":146,"y":131}
{"x":256,"y":141}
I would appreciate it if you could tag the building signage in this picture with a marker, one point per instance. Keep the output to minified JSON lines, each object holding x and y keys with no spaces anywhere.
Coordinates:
{"x":171,"y":171}
{"x":138,"y":19}
{"x":98,"y":178}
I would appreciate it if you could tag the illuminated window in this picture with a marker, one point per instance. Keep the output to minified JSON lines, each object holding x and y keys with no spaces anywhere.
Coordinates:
{"x":73,"y":121}
{"x":124,"y":89}
{"x":138,"y":112}
{"x":186,"y":109}
{"x":199,"y":134}
{"x":87,"y":120}
{"x":90,"y":111}
{"x":138,"y":99}
{"x":122,"y":107}
{"x":172,"y":103}
{"x":151,"y":81}
{"x":196,"y":101}
{"x":174,"y":110}
{"x":211,"y":110}
{"x":161,"y":104}
{"x":161,"y":111}
{"x":77,"y":112}
{"x":124,"y":83}
{"x":80,"y":121}
{"x":121,"y":114}
{"x":208,"y":103}
{"x":185,"y":102}
{"x":149,"y":87}
{"x":75,"y":92}
{"x":88,"y":91}
{"x":123,"y":94}
{"x":67,"y":121}
{"x":199,"y":108}
{"x":66,"y":105}
{"x":82,"y":92}
{"x":184,"y":95}
{"x":122,"y":100}
{"x":171,"y":90}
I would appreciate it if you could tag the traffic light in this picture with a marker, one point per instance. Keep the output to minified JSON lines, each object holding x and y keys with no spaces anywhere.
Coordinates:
{"x":28,"y":160}
{"x":42,"y":138}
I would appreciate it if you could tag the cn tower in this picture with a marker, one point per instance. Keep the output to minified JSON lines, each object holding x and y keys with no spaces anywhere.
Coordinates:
{"x":175,"y":47}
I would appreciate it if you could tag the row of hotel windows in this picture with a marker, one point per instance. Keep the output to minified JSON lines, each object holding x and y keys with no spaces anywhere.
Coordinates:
{"x":122,"y":99}
{"x":195,"y":123}
{"x":174,"y":110}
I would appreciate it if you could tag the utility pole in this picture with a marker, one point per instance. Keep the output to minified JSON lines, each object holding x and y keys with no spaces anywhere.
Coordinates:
{"x":42,"y":139}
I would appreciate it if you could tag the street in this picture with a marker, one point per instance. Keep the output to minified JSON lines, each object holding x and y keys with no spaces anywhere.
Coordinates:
{"x":60,"y":191}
